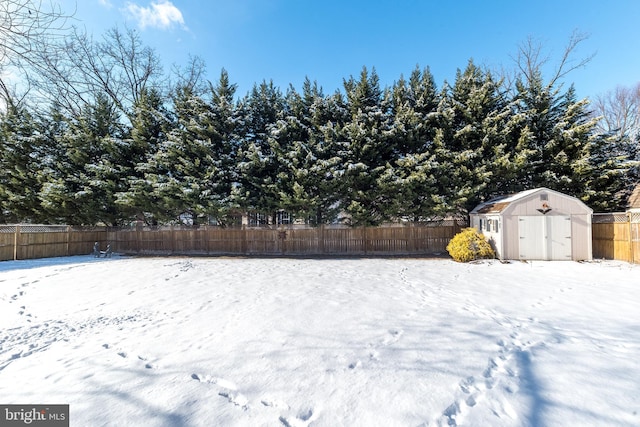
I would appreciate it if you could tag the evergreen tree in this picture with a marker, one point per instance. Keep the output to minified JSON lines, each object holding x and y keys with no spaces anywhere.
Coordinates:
{"x":369,"y":152}
{"x":81,"y":185}
{"x":328,"y":148}
{"x":225,"y":143}
{"x":19,"y":163}
{"x":566,"y":155}
{"x":471,"y":112}
{"x":289,"y":141}
{"x":606,"y":184}
{"x":259,"y":171}
{"x":308,"y":155}
{"x":150,"y":124}
{"x":412,"y":181}
{"x":186,"y":169}
{"x":557,"y":139}
{"x":540,"y":107}
{"x":414,"y":108}
{"x":53,"y":155}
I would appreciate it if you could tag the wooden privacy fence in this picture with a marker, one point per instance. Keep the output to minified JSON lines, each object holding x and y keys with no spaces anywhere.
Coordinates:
{"x":617,"y":236}
{"x":44,"y":241}
{"x":323,"y":240}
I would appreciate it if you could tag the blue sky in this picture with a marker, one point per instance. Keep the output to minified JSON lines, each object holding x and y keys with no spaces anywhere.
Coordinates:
{"x":328,"y":40}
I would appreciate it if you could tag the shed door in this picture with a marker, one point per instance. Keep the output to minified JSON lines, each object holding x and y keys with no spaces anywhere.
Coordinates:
{"x":545,"y":237}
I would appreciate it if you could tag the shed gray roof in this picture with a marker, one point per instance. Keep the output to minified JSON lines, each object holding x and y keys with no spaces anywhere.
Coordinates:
{"x":499,"y":204}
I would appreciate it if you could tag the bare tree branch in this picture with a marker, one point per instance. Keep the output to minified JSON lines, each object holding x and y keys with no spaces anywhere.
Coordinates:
{"x":530,"y":59}
{"x":619,"y":112}
{"x":567,"y":62}
{"x":25,"y":27}
{"x":24,"y":23}
{"x":119,"y":66}
{"x":191,"y":76}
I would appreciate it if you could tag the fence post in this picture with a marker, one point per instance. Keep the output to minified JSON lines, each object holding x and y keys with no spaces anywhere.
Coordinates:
{"x":243,"y":248}
{"x":173,"y":239}
{"x":631,"y":254}
{"x":138,"y":236}
{"x":68,"y":238}
{"x":408,"y":235}
{"x":366,"y":240}
{"x":16,"y":241}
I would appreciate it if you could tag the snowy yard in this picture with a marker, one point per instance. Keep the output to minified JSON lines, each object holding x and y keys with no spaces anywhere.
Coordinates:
{"x":332,"y":342}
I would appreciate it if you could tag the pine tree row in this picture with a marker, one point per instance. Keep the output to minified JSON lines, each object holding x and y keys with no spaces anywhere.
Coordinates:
{"x":409,"y":152}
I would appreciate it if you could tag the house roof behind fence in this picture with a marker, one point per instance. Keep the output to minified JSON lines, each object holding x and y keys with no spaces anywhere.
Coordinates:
{"x":634,"y":199}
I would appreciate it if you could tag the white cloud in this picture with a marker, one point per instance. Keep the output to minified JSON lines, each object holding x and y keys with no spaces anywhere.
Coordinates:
{"x":160,"y":14}
{"x":106,"y":3}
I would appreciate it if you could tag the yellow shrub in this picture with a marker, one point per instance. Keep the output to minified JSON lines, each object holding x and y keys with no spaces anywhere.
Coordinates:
{"x":469,"y":245}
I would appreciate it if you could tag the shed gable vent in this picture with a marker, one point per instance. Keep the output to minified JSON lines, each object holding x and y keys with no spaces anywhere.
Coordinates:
{"x":544,"y":196}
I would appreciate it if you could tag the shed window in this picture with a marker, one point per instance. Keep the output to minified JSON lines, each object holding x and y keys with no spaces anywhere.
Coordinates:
{"x":491,"y":225}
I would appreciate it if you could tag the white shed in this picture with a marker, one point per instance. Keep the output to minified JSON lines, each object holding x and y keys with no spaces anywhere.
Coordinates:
{"x":537,"y":224}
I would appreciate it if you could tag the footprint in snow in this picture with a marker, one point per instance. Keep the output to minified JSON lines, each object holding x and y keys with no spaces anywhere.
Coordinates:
{"x":230,"y":389}
{"x":236,"y":398}
{"x":302,"y":419}
{"x":273,"y":403}
{"x":454,"y":414}
{"x":215,"y":380}
{"x":393,"y":336}
{"x":467,"y":385}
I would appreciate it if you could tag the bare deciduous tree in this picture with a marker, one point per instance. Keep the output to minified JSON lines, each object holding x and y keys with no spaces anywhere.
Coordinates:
{"x":25,"y":23}
{"x":531,"y":58}
{"x":26,"y":26}
{"x":191,"y":76}
{"x":619,"y":112}
{"x":119,"y":66}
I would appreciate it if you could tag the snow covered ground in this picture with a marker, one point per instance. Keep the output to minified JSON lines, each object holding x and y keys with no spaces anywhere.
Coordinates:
{"x":331,"y":342}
